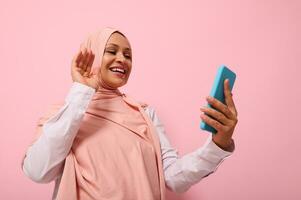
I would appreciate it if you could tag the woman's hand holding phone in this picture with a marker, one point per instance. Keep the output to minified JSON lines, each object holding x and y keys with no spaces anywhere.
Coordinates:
{"x":223,"y":118}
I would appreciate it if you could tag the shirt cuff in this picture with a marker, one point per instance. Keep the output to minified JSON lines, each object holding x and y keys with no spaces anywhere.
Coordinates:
{"x":79,"y":92}
{"x":213,"y":152}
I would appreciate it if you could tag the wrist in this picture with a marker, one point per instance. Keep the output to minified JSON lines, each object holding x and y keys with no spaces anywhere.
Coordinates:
{"x":85,"y":84}
{"x":226,"y":145}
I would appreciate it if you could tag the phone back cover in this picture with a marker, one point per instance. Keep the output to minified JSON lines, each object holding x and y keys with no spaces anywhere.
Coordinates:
{"x":217,"y":90}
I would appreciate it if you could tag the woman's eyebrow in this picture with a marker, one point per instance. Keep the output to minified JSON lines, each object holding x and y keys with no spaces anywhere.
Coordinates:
{"x":118,"y":46}
{"x":112,"y":44}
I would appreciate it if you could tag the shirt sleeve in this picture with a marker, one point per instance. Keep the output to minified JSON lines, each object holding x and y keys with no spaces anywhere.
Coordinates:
{"x":44,"y":159}
{"x":181,"y":173}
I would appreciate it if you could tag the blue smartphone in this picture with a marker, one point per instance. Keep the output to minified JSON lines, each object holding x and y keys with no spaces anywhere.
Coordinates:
{"x":217,"y":90}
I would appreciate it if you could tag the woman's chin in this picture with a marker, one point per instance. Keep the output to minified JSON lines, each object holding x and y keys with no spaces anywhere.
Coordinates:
{"x":116,"y":83}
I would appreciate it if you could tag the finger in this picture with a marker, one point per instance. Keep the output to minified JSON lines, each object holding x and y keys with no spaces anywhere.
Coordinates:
{"x":80,"y":62}
{"x":89,"y":65}
{"x":220,"y":107}
{"x":87,"y":72}
{"x":228,"y":97}
{"x":78,"y":56}
{"x":86,"y":61}
{"x":83,"y":57}
{"x":91,"y":59}
{"x":215,"y":124}
{"x":216,"y":115}
{"x":74,"y":65}
{"x":96,"y":71}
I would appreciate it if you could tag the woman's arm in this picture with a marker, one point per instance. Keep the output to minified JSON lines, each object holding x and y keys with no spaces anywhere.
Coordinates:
{"x":181,"y":173}
{"x":44,"y":160}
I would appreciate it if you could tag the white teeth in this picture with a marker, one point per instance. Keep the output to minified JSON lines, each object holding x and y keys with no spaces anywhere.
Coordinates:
{"x":118,"y":70}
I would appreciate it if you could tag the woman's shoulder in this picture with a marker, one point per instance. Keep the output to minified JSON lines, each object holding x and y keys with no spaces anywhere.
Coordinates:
{"x":143,"y":104}
{"x":150,"y":111}
{"x":146,"y":107}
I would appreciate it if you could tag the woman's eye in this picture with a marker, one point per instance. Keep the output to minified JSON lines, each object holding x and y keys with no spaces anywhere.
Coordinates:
{"x":112,"y":52}
{"x":128,"y":56}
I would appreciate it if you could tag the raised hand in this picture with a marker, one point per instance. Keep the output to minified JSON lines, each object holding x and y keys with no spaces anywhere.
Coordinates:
{"x":81,"y":69}
{"x":223,"y":118}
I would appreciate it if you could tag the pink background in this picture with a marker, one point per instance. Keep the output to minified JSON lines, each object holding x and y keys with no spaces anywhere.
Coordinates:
{"x":177,"y":47}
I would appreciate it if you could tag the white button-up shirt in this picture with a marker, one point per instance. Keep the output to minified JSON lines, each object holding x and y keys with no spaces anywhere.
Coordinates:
{"x":45,"y":158}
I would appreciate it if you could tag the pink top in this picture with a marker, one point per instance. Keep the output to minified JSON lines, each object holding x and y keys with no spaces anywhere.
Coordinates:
{"x":114,"y":151}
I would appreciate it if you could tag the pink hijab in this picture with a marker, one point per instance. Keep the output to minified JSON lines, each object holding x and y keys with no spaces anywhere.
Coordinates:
{"x":116,"y":154}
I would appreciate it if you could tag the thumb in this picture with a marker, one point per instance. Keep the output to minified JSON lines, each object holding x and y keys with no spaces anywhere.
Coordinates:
{"x":96,"y":73}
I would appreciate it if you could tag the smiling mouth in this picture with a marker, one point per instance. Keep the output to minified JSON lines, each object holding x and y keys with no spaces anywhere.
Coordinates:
{"x":120,"y":73}
{"x":118,"y":70}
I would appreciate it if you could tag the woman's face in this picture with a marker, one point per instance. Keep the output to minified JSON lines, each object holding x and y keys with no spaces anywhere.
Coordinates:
{"x":117,"y":61}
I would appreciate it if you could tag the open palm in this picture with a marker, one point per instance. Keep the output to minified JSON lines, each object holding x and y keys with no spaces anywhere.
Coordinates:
{"x":81,"y":68}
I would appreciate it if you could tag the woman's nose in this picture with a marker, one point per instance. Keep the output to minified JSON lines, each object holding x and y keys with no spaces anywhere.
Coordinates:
{"x":120,"y":57}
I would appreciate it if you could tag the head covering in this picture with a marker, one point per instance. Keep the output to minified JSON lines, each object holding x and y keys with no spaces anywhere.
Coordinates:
{"x":116,"y":153}
{"x":97,"y":42}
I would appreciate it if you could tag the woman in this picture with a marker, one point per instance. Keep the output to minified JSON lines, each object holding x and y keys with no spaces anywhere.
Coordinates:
{"x":101,"y":144}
